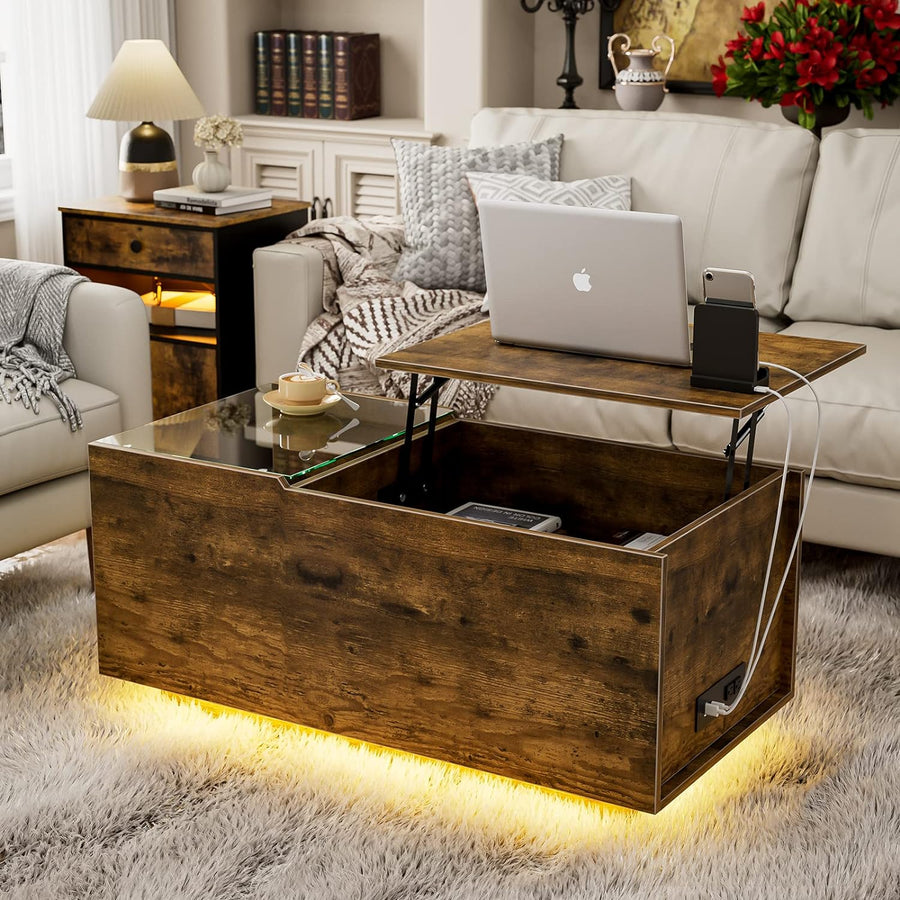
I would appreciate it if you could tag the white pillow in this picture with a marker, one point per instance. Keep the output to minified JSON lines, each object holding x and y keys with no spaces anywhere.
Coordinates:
{"x":604,"y":192}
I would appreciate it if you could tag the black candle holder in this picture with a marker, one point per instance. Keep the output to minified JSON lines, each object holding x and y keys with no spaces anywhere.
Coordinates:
{"x":571,"y":10}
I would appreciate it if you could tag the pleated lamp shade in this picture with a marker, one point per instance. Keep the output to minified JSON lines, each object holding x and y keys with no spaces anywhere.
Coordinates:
{"x":145,"y":83}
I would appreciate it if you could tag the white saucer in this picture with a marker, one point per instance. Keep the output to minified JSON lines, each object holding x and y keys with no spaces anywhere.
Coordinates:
{"x":293,"y":408}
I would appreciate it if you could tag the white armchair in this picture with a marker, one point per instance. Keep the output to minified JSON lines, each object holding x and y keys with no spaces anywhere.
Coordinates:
{"x":44,"y":489}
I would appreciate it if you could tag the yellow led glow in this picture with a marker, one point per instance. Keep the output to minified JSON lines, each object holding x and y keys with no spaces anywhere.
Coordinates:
{"x":394,"y":782}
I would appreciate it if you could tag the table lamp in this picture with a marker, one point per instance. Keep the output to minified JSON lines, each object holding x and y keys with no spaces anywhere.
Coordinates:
{"x":145,"y":83}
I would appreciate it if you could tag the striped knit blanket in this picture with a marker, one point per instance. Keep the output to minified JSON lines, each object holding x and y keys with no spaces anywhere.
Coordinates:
{"x":33,"y":302}
{"x":367,"y":313}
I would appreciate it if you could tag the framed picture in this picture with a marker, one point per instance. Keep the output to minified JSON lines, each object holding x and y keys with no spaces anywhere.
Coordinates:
{"x":699,"y":28}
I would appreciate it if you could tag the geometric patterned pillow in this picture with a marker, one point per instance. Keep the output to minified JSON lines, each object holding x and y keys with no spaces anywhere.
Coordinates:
{"x":605,"y":192}
{"x":443,"y":240}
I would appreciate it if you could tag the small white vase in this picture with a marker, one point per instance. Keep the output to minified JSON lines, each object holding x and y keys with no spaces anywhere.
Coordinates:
{"x":211,"y":176}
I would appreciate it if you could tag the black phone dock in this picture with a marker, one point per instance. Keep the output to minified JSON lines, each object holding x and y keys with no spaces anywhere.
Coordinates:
{"x":726,"y":347}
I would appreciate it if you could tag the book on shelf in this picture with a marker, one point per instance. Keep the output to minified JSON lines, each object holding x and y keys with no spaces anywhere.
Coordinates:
{"x":318,"y":74}
{"x":212,"y":210}
{"x":310,"y":66}
{"x":326,"y":75}
{"x":261,"y":92}
{"x":277,"y":74}
{"x":230,"y":197}
{"x":294,"y":73}
{"x":357,"y":76}
{"x":180,"y":309}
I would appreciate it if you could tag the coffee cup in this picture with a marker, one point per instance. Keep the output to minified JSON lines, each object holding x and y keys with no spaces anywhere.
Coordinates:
{"x":305,"y":386}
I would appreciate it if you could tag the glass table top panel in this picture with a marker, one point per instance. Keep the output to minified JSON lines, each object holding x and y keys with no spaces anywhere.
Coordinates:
{"x":246,"y":432}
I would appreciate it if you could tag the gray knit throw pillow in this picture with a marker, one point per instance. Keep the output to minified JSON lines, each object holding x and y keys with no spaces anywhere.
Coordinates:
{"x":443,"y":240}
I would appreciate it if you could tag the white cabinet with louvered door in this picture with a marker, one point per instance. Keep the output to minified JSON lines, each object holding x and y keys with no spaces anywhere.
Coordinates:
{"x":342,"y":168}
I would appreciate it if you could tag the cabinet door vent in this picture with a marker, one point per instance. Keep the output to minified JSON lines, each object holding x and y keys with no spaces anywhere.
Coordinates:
{"x":374,"y":194}
{"x":282,"y":181}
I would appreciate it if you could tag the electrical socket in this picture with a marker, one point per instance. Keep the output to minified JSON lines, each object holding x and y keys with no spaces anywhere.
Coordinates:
{"x":724,"y":690}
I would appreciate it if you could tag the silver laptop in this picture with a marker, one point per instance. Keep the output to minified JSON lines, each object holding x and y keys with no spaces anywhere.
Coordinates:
{"x":584,"y":280}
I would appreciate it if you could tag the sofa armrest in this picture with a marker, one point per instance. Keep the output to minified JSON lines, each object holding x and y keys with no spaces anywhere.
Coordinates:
{"x":287,"y":290}
{"x":108,"y":340}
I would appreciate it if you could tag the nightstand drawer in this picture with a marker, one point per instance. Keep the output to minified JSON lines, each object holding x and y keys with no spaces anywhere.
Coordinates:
{"x":147,"y":248}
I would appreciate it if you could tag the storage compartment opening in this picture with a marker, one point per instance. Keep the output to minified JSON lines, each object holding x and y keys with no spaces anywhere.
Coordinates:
{"x":596,"y":488}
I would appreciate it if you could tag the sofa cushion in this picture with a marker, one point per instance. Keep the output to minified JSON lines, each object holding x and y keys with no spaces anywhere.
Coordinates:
{"x":37,"y":448}
{"x":860,"y":414}
{"x":740,"y":187}
{"x":442,"y":235}
{"x":847,"y":267}
{"x":569,"y":414}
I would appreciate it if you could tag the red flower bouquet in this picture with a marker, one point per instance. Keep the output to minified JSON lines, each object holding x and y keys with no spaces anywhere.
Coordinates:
{"x":809,"y":53}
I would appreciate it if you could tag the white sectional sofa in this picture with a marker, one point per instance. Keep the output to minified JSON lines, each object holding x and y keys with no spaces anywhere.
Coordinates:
{"x":819,"y":227}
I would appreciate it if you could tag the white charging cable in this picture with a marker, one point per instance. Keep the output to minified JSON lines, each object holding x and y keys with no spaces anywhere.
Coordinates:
{"x":719,"y":707}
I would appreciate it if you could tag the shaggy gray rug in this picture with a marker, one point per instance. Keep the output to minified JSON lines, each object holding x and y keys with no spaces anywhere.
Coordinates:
{"x":108,"y":790}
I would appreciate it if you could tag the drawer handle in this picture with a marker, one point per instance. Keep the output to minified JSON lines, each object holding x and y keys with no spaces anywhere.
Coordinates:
{"x":136,"y":246}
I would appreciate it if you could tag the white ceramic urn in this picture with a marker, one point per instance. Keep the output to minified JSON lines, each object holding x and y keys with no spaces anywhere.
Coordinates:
{"x":640,"y":86}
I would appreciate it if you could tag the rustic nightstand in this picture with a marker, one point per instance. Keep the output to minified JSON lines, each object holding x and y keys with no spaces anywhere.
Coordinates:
{"x":131,"y":244}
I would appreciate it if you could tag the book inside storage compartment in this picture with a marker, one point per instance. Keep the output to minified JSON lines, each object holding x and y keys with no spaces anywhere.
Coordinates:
{"x":597,"y":488}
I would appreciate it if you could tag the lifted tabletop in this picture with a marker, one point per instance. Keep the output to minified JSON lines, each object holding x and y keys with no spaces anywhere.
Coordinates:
{"x":473,"y":355}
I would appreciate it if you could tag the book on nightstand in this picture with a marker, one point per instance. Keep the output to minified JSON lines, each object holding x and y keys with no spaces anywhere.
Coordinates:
{"x":228,"y":200}
{"x":212,"y":210}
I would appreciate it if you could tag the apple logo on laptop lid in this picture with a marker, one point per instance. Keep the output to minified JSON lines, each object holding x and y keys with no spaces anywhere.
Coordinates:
{"x":582,"y":281}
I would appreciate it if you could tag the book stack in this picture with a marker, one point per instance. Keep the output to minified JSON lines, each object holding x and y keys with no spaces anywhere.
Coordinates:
{"x":233,"y":199}
{"x":317,"y":75}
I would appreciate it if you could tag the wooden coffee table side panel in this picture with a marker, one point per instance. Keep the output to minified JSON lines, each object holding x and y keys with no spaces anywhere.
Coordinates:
{"x":714,"y":582}
{"x":506,"y":651}
{"x":531,"y":656}
{"x":181,"y":601}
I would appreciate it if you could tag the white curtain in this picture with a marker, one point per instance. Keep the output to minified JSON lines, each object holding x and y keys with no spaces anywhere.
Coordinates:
{"x":57,"y":54}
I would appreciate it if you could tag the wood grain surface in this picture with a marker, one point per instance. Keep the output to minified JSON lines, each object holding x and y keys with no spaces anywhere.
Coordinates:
{"x":473,"y":354}
{"x":184,"y":375}
{"x":714,"y":584}
{"x":529,"y":655}
{"x":114,"y":207}
{"x":147,"y":247}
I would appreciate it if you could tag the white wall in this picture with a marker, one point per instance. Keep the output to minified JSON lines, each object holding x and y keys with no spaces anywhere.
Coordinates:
{"x":442,"y":60}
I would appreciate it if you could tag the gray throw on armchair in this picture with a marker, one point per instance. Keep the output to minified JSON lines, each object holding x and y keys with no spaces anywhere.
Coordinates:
{"x":33,"y":362}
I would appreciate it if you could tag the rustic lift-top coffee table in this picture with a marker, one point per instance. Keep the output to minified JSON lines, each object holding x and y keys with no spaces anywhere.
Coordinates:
{"x":341,"y":596}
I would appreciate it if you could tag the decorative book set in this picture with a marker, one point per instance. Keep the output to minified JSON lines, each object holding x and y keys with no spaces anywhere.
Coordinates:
{"x":317,"y":75}
{"x":188,"y":198}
